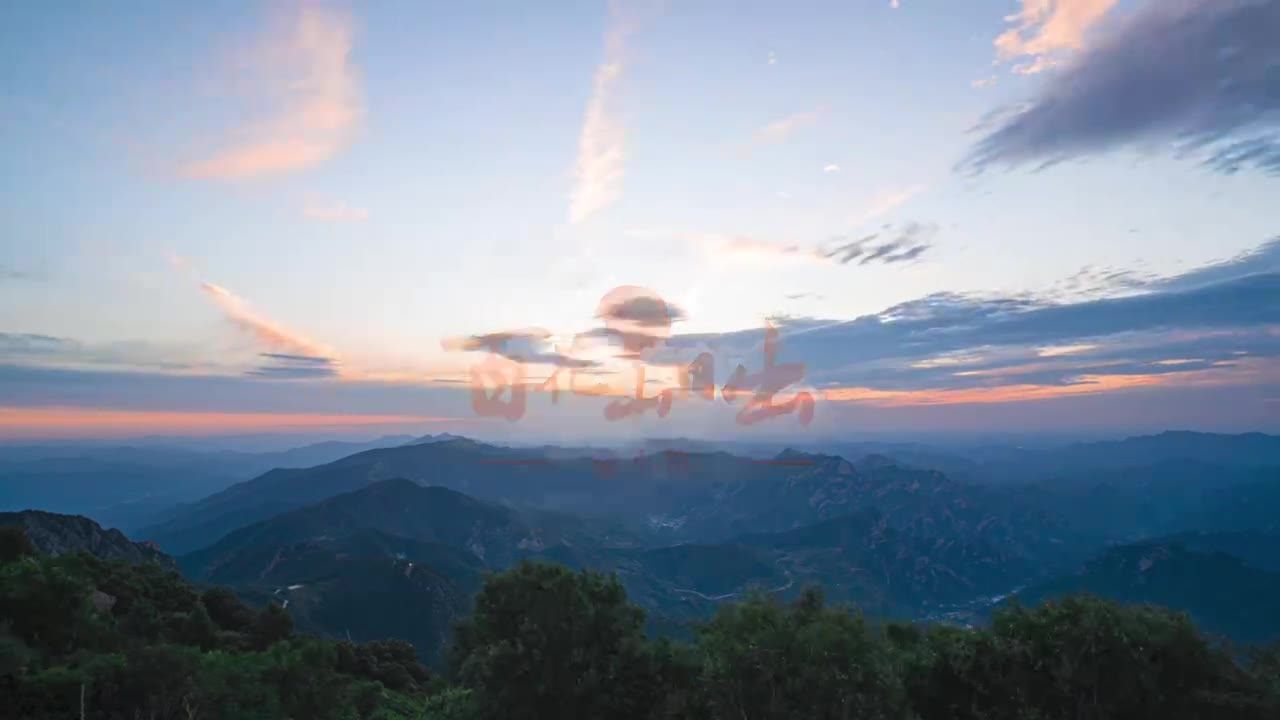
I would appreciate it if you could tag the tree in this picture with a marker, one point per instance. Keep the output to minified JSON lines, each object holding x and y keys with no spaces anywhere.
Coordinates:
{"x":14,"y":544}
{"x":49,"y":604}
{"x":272,"y":625}
{"x":198,"y":629}
{"x":545,"y":642}
{"x":762,"y":659}
{"x":1081,"y":658}
{"x":451,"y":704}
{"x":227,"y":611}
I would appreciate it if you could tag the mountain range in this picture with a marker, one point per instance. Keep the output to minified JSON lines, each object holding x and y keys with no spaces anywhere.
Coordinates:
{"x":393,"y":541}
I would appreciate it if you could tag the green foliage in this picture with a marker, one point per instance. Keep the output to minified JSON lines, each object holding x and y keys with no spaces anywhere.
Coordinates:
{"x":1081,"y":658}
{"x":150,"y":647}
{"x":451,"y":704}
{"x":14,"y":543}
{"x":393,"y":663}
{"x":542,"y":638}
{"x":226,"y":610}
{"x":761,"y":659}
{"x":272,"y":625}
{"x":545,"y":642}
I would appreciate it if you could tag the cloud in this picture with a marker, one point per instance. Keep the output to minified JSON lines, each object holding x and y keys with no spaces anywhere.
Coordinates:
{"x":285,"y":366}
{"x":1093,"y":282}
{"x":832,"y":168}
{"x":1198,"y":77}
{"x":1187,"y":344}
{"x":532,"y":346}
{"x":773,"y":58}
{"x":1264,"y":259}
{"x":309,"y":78}
{"x":62,"y":421}
{"x":601,"y":143}
{"x":983,"y":82}
{"x":741,"y":248}
{"x":903,"y":245}
{"x":1045,"y":27}
{"x":50,"y":351}
{"x":781,"y":129}
{"x":33,"y":344}
{"x":334,"y":212}
{"x":886,"y":201}
{"x":7,"y":273}
{"x":646,"y":311}
{"x":889,"y":246}
{"x":1217,"y":325}
{"x":895,"y":4}
{"x":263,"y":330}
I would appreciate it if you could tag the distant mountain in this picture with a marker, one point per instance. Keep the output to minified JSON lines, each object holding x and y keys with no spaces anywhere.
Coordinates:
{"x":391,"y":559}
{"x":1257,"y":549}
{"x":350,"y":563}
{"x":453,"y":462}
{"x":675,"y":496}
{"x":1081,"y":461}
{"x":54,"y":534}
{"x":1221,"y":592}
{"x":1246,"y":506}
{"x":1164,"y":498}
{"x":127,"y":486}
{"x":858,"y":558}
{"x":1247,"y":449}
{"x":496,"y":536}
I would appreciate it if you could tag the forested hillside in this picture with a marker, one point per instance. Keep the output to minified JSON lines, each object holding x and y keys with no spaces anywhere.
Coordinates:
{"x":85,"y":637}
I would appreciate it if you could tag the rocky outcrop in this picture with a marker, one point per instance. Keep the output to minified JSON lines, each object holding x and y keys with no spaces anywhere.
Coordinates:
{"x":54,"y":534}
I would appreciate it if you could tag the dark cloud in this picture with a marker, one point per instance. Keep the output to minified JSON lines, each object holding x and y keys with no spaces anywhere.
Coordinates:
{"x":283,"y":366}
{"x":1092,"y":281}
{"x":8,"y":273}
{"x":138,"y":390}
{"x":1261,"y":260}
{"x":902,"y":245}
{"x":644,"y":311}
{"x":1202,"y":76}
{"x":28,"y":343}
{"x":305,"y":359}
{"x":32,"y":348}
{"x":1210,"y":316}
{"x":292,"y":372}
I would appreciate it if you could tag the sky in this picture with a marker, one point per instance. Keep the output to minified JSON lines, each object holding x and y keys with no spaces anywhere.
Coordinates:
{"x":894,"y":215}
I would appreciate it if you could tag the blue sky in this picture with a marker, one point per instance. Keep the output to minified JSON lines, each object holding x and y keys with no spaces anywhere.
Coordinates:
{"x":292,"y":215}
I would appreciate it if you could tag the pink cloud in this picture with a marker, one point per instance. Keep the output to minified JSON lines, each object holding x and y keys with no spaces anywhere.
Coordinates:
{"x":1045,"y":27}
{"x":308,"y":75}
{"x":270,"y":334}
{"x":781,"y":129}
{"x":601,"y":149}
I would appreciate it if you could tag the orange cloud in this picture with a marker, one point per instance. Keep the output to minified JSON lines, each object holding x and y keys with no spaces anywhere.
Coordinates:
{"x":1232,"y":373}
{"x":78,"y":421}
{"x":262,"y":329}
{"x":310,"y":73}
{"x":1087,"y":385}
